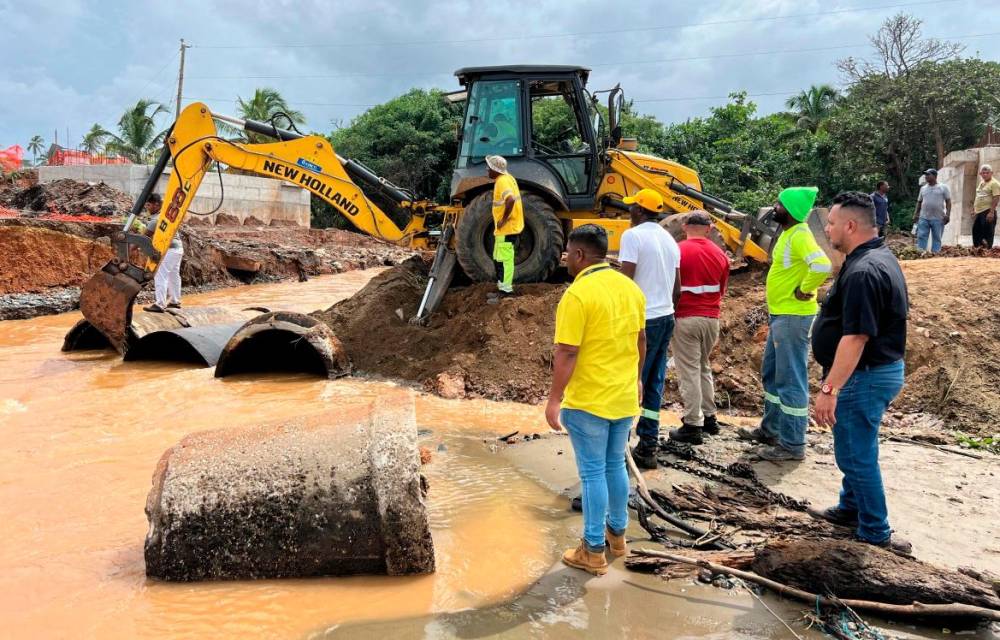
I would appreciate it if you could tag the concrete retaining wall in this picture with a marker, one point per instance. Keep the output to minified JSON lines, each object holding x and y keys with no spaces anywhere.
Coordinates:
{"x":961,"y":173}
{"x":245,"y":196}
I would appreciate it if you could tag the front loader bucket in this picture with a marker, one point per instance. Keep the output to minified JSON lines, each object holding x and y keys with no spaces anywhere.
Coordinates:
{"x":106,"y":302}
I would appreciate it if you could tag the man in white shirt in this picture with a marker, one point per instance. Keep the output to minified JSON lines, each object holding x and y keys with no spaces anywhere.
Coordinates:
{"x":650,"y":256}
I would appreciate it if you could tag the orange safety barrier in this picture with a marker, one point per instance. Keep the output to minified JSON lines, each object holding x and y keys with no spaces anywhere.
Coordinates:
{"x":11,"y":158}
{"x":69,"y":157}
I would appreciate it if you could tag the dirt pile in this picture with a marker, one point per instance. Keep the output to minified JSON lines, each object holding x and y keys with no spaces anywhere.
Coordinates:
{"x":470,"y":348}
{"x":504,"y":351}
{"x":36,"y":259}
{"x":905,"y":249}
{"x":67,"y":197}
{"x":952,"y":351}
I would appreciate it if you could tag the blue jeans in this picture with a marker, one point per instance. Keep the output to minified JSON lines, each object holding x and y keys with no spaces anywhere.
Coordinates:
{"x":599,"y":447}
{"x":860,"y":406}
{"x":933,"y":227}
{"x":785,"y":374}
{"x":654,"y":370}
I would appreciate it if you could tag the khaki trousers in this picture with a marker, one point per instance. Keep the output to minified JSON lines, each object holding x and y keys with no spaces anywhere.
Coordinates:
{"x":693,"y":341}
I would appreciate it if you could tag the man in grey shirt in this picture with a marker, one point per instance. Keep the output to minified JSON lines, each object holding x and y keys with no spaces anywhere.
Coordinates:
{"x":933,"y":211}
{"x":167,"y":280}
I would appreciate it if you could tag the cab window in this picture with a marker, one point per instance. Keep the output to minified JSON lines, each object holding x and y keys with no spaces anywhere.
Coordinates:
{"x":557,"y":136}
{"x":492,"y":121}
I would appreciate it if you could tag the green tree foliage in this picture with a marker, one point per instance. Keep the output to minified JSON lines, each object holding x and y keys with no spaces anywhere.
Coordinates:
{"x":409,"y":141}
{"x":94,"y":139}
{"x":812,"y":107}
{"x":741,"y":157}
{"x":895,"y":127}
{"x":35,"y":146}
{"x":137,"y":138}
{"x":263,"y":105}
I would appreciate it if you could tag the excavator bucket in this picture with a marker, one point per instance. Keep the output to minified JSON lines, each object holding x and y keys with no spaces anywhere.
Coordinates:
{"x":106,"y":302}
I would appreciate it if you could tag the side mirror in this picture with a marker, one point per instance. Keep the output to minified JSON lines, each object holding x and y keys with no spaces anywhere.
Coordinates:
{"x":616,"y":136}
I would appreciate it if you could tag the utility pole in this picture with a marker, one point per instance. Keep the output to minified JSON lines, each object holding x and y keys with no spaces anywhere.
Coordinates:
{"x":180,"y":80}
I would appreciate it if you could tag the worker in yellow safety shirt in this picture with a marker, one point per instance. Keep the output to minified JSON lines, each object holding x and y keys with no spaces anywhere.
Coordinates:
{"x":508,"y":222}
{"x":798,"y":268}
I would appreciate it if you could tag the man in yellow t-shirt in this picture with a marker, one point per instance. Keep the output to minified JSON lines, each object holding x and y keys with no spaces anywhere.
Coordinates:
{"x":508,"y":222}
{"x":600,"y":345}
{"x":984,"y":225}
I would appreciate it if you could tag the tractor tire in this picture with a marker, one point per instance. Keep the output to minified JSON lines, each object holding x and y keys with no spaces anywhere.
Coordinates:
{"x":673,"y":222}
{"x":539,"y":249}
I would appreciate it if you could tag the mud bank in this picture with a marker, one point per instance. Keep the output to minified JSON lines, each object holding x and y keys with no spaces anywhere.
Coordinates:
{"x":503,"y":352}
{"x":44,"y":262}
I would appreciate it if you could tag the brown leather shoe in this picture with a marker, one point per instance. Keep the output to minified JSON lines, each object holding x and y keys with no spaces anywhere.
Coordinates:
{"x":617,"y":547}
{"x":582,"y":558}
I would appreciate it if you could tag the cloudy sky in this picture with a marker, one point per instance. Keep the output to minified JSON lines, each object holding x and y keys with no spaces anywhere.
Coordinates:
{"x":76,"y":62}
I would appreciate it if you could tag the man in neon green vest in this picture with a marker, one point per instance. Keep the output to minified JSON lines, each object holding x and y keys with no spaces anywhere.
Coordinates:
{"x":798,"y":268}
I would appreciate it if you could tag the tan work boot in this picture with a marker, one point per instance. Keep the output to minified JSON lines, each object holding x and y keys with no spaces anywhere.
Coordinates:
{"x":581,"y":558}
{"x":616,"y":544}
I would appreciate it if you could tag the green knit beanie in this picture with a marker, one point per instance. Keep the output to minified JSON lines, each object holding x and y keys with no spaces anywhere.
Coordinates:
{"x":799,"y":201}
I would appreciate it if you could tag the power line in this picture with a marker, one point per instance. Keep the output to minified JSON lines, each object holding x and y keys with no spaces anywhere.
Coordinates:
{"x":693,"y":98}
{"x":153,"y":78}
{"x":601,"y":64}
{"x":296,"y":102}
{"x":580,"y":34}
{"x":668,"y":99}
{"x":716,"y":56}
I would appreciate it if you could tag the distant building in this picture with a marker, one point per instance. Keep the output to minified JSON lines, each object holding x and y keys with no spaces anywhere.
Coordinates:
{"x":58,"y":156}
{"x":961,"y":173}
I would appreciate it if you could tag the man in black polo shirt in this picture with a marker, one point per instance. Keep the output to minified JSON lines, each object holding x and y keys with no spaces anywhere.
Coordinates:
{"x":859,"y":339}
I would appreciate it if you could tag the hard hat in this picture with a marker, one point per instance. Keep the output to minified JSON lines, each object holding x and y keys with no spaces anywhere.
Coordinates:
{"x":798,"y":201}
{"x":647,"y":199}
{"x":497,"y":163}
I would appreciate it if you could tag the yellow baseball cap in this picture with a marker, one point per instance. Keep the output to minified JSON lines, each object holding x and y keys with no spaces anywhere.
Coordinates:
{"x":647,"y":199}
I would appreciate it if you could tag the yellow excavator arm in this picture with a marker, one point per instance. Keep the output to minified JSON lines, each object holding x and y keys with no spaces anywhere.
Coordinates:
{"x":195,"y":145}
{"x":307,"y":161}
{"x":680,"y":198}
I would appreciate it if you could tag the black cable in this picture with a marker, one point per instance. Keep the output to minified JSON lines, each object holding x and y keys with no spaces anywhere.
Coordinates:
{"x":291,"y":123}
{"x":222,"y":193}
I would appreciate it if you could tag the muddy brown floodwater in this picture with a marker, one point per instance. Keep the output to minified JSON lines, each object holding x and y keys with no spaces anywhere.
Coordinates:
{"x":81,"y":435}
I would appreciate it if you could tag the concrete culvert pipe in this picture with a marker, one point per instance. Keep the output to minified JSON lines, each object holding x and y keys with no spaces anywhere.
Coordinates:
{"x":197,"y":345}
{"x":84,"y":337}
{"x":284,"y":341}
{"x":332,"y":493}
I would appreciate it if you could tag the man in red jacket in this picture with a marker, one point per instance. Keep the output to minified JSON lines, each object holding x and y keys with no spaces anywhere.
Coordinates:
{"x":704,"y":273}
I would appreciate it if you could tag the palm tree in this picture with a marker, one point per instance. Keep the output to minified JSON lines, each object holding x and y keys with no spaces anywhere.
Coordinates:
{"x":813,"y":106}
{"x":36,"y":145}
{"x":265,"y":104}
{"x":137,"y":139}
{"x":94,"y":140}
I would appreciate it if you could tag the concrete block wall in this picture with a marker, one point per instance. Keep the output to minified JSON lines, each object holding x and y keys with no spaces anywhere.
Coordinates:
{"x":245,"y":196}
{"x":961,"y":173}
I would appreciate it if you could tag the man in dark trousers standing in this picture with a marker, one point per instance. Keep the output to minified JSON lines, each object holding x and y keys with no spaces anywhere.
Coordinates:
{"x":880,"y":197}
{"x":650,"y":256}
{"x":859,"y":339}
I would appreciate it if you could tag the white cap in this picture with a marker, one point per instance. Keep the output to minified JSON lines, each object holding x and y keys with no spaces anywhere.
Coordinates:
{"x":987,"y":167}
{"x":497,"y":163}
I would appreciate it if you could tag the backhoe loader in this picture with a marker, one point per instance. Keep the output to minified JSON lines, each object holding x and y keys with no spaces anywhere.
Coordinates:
{"x":573,"y":168}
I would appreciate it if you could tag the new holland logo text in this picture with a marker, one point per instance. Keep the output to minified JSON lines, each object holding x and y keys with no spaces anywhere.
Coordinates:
{"x":313,"y":183}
